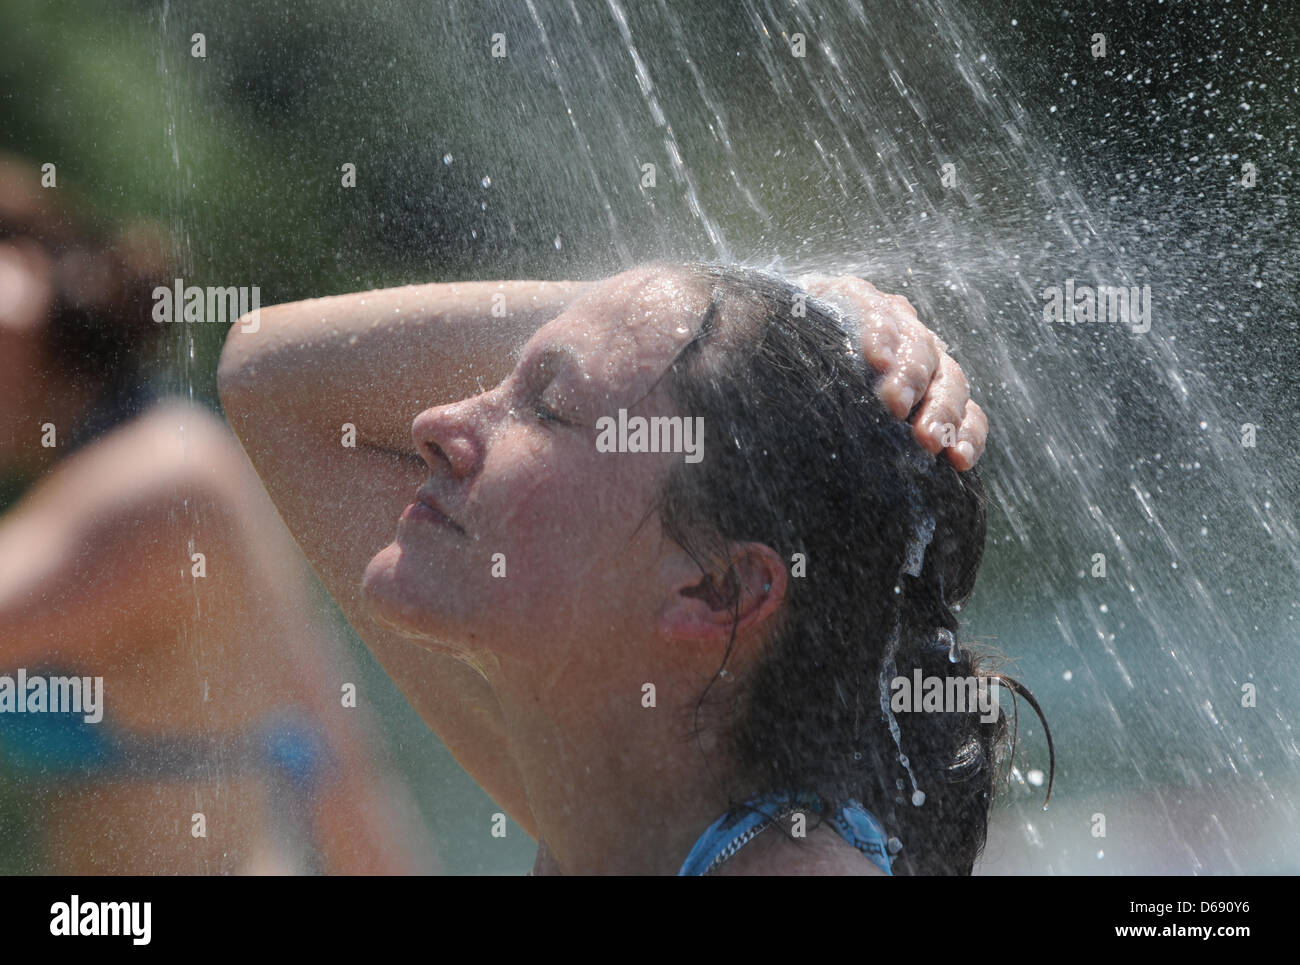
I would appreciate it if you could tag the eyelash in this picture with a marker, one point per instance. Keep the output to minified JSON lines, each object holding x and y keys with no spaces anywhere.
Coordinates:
{"x":545,"y":414}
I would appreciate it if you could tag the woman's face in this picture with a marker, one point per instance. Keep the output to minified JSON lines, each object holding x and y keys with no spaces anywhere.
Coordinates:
{"x":554,"y":545}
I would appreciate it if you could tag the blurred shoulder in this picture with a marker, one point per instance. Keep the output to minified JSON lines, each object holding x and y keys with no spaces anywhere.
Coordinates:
{"x":174,"y":449}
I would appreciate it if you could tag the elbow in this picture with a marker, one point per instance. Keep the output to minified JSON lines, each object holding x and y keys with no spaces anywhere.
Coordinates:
{"x":236,"y":368}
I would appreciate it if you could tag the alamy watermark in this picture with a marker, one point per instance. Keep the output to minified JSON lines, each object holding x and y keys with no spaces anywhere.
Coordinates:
{"x":1103,"y":304}
{"x":74,"y":917}
{"x":651,"y":434}
{"x":939,"y":695}
{"x":213,"y":304}
{"x":22,"y":694}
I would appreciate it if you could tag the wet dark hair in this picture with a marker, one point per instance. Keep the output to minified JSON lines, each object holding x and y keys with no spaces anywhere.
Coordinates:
{"x":803,"y":457}
{"x":98,"y":329}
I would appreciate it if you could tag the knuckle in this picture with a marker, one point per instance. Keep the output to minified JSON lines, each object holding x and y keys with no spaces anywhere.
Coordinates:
{"x":913,"y":367}
{"x":955,"y":377}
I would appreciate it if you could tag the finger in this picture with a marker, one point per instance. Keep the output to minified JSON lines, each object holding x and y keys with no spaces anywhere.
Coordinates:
{"x":872,"y":313}
{"x":881,"y":339}
{"x":918,"y":358}
{"x":971,"y":438}
{"x":938,"y":420}
{"x":906,"y":310}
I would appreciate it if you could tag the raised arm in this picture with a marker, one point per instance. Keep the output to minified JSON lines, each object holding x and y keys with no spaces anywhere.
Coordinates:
{"x":293,"y":377}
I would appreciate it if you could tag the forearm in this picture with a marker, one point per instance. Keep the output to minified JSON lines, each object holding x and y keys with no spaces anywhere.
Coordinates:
{"x":376,"y":359}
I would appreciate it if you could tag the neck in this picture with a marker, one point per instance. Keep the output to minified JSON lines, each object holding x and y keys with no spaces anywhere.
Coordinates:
{"x":615,"y":787}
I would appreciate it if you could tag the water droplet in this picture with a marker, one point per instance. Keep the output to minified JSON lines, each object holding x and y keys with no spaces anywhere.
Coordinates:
{"x":1068,"y":676}
{"x":894,"y":845}
{"x":486,"y":182}
{"x":918,"y":798}
{"x":1100,"y":855}
{"x":352,"y":340}
{"x":447,"y":158}
{"x":558,"y":243}
{"x":954,"y":652}
{"x":1035,"y":777}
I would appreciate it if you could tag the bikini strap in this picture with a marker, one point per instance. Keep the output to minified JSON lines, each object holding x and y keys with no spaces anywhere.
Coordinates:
{"x":860,"y":828}
{"x":735,"y":829}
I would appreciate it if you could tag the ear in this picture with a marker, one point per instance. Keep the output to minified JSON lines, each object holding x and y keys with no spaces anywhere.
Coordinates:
{"x":703,"y":606}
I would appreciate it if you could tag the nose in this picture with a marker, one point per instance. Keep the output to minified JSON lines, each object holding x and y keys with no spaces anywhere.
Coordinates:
{"x":451,"y":436}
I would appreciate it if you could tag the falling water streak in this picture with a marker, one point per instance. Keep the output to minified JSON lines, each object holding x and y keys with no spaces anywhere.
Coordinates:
{"x":886,"y":149}
{"x":781,"y":86}
{"x":670,"y":139}
{"x":185,"y":356}
{"x":605,"y":82}
{"x":912,"y":565}
{"x":888,"y":671}
{"x":615,"y":234}
{"x":1087,"y":236}
{"x":715,"y":109}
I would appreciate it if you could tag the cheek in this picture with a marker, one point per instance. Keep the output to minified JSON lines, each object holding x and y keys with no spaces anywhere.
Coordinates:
{"x":568,"y":517}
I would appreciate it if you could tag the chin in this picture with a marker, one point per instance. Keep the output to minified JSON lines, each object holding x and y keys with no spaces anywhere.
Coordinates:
{"x":395,"y":596}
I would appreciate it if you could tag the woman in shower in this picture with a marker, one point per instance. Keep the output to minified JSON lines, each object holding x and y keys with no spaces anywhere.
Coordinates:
{"x":223,"y":744}
{"x":649,"y":659}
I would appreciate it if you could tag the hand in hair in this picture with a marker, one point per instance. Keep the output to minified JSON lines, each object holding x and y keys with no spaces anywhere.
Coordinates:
{"x":921,"y":381}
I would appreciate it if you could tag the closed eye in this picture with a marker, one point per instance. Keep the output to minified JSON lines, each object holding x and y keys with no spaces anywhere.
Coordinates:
{"x":546,"y":414}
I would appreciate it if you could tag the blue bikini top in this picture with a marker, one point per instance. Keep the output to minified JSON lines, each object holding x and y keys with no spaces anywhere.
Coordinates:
{"x":739,"y":826}
{"x":284,"y":749}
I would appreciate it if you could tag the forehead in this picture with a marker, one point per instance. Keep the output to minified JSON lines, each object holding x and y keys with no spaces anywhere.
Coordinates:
{"x":625,"y":331}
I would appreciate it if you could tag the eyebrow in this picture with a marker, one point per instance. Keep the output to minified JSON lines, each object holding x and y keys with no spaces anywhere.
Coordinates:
{"x":556,"y":357}
{"x":557,"y":353}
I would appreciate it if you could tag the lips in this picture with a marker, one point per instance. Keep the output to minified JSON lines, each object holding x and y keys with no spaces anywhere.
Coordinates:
{"x":427,"y":501}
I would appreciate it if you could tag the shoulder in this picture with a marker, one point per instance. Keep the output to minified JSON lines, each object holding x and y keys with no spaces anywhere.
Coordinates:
{"x":169,"y":469}
{"x":177,"y":438}
{"x":110,"y":527}
{"x":174,"y":449}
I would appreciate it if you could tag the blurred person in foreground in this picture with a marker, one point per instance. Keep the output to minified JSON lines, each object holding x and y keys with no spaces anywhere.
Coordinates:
{"x":225,"y":742}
